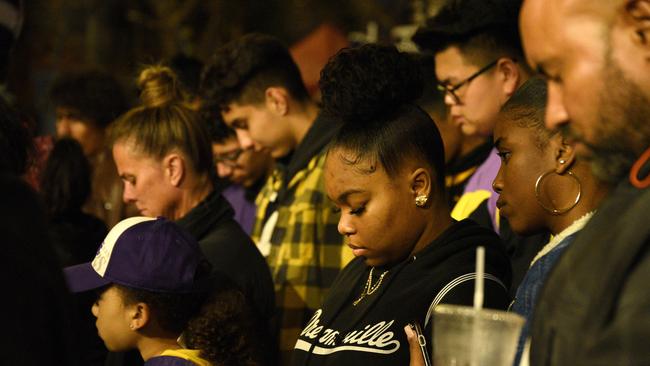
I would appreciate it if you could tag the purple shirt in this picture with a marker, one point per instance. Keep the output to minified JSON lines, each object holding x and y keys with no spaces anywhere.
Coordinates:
{"x":482,"y":180}
{"x":244,"y":209}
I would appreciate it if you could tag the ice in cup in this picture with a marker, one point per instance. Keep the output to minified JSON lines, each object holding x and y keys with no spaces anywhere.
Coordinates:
{"x":464,"y":336}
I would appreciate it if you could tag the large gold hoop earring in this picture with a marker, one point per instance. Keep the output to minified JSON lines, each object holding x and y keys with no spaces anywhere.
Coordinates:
{"x":552,"y":210}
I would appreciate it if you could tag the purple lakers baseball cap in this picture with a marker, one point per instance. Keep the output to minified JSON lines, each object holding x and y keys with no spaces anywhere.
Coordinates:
{"x":145,"y":253}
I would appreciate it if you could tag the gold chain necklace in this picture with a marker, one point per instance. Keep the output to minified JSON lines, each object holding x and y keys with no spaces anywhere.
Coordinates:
{"x":369,"y":289}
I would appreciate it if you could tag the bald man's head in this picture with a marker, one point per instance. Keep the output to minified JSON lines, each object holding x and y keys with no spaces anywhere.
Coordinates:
{"x":594,"y":55}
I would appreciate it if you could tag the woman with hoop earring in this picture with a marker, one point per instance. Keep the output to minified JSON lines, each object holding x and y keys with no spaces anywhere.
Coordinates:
{"x":543,"y":185}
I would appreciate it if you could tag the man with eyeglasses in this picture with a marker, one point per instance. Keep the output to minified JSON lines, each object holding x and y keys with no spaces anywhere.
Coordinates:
{"x":244,"y":171}
{"x":478,"y":66}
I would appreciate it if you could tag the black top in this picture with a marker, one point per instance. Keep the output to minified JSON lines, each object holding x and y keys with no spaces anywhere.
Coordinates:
{"x":76,"y":236}
{"x":371,"y":332}
{"x":520,"y":249}
{"x":230,"y":250}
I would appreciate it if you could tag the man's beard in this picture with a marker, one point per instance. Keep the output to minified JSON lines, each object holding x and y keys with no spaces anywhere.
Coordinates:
{"x":622,"y":131}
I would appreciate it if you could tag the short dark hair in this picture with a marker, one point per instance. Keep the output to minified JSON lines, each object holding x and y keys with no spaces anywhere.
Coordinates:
{"x":526,"y":108}
{"x":172,"y":310}
{"x":65,"y":180}
{"x":218,"y":129}
{"x":432,"y":100}
{"x":96,"y":95}
{"x":241,"y":70}
{"x":372,"y":89}
{"x":484,"y":30}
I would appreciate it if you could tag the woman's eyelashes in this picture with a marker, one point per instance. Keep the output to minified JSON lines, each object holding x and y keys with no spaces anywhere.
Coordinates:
{"x":358,"y":211}
{"x":504,"y":155}
{"x":351,"y":209}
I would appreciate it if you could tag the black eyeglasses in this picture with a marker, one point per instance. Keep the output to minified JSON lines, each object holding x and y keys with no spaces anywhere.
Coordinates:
{"x":451,"y":89}
{"x":229,"y":158}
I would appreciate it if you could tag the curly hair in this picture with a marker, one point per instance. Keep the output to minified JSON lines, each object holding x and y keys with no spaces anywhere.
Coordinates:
{"x":241,"y":71}
{"x":216,"y":319}
{"x":65,"y":180}
{"x":218,"y":129}
{"x":224,"y":330}
{"x":372,"y":89}
{"x":96,"y":95}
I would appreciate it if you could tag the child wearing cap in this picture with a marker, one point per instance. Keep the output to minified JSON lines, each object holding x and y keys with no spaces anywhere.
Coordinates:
{"x":155,"y":285}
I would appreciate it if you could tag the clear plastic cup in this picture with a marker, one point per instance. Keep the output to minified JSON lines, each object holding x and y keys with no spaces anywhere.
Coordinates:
{"x":463,"y":336}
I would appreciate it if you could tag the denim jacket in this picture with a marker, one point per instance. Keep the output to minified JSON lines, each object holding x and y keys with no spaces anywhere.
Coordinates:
{"x":526,"y":297}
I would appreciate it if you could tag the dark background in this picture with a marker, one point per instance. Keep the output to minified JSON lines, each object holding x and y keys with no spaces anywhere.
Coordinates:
{"x":122,"y":36}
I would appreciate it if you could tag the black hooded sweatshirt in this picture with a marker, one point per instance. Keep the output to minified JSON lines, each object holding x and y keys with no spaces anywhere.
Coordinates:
{"x":371,"y":332}
{"x":231,"y":251}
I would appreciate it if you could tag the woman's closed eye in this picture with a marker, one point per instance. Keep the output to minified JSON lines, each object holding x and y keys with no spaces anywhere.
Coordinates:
{"x":357,"y":211}
{"x":504,"y":155}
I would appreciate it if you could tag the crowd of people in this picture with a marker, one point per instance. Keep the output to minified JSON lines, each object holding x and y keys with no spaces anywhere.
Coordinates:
{"x":229,"y":218}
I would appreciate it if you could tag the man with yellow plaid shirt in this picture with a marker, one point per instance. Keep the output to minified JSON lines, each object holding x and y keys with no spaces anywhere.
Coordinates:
{"x":257,"y":87}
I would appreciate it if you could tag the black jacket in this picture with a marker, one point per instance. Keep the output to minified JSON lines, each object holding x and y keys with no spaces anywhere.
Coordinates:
{"x":76,"y":236}
{"x":595,"y":306}
{"x":230,"y":250}
{"x":371,"y":333}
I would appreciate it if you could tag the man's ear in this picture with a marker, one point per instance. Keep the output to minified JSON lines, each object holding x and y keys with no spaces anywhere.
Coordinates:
{"x":421,"y":183}
{"x":175,"y":169}
{"x":565,"y":156}
{"x":139,"y":315}
{"x":277,"y":100}
{"x":637,"y":15}
{"x":509,"y":74}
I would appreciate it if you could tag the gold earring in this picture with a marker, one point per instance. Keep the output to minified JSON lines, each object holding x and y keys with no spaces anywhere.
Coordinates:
{"x":132,"y":326}
{"x":421,"y":200}
{"x":554,"y":210}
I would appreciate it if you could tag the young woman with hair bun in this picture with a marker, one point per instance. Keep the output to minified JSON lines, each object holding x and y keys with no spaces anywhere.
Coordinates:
{"x":163,"y":154}
{"x":384,"y":172}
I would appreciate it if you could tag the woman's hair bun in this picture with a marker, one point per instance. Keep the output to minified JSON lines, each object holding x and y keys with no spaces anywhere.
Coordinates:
{"x":158,"y":86}
{"x":369,"y":82}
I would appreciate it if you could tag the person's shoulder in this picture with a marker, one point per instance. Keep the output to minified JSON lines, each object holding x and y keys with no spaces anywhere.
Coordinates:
{"x":468,"y":230}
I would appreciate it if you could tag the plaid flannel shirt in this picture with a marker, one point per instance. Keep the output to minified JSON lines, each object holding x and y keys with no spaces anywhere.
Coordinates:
{"x":305,"y":250}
